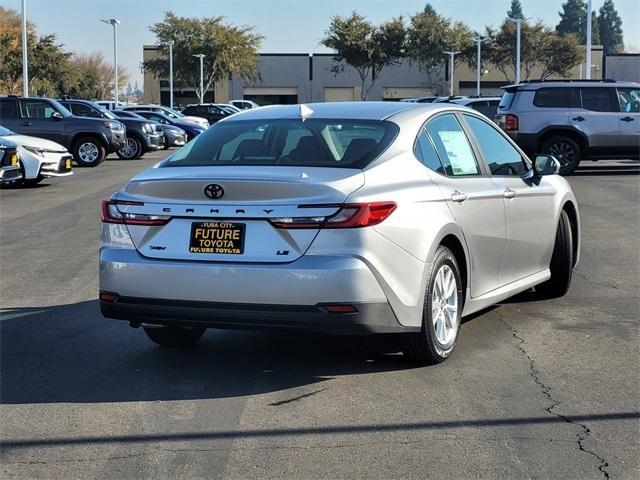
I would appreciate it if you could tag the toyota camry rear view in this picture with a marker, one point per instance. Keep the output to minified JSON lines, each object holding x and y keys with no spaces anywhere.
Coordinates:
{"x":369,"y":217}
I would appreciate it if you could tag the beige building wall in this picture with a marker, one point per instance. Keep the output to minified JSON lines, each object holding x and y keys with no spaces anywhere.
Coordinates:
{"x":339,"y":94}
{"x":151,"y":83}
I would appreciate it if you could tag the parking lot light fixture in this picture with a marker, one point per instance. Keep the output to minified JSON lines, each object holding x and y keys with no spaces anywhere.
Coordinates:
{"x":25,"y":60}
{"x":589,"y":17}
{"x":518,"y":22}
{"x":201,"y":57}
{"x":452,"y":56}
{"x":114,"y":22}
{"x":479,"y":41}
{"x":170,"y":74}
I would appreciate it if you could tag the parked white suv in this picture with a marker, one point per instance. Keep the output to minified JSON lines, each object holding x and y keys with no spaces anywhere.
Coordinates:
{"x":573,"y":120}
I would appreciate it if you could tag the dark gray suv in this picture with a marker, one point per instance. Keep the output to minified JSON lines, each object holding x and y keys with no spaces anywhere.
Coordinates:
{"x":573,"y":120}
{"x":88,"y":139}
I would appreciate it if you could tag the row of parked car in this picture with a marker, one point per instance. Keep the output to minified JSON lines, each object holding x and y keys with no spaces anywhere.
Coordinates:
{"x":41,"y":136}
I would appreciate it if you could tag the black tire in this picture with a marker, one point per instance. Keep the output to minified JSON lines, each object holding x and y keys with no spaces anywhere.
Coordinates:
{"x":132,"y":149}
{"x":566,"y":150}
{"x":88,"y":152}
{"x":423,"y":347}
{"x":165,"y":144}
{"x":562,"y":262}
{"x":174,"y":336}
{"x":32,"y":182}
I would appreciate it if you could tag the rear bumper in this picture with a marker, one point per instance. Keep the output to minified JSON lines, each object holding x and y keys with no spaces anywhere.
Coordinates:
{"x":233,"y":295}
{"x":369,"y":319}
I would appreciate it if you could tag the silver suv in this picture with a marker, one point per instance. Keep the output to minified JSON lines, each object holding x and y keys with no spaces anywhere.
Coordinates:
{"x":573,"y":120}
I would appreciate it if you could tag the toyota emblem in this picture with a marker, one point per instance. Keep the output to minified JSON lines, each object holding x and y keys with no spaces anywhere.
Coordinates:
{"x":214,"y":191}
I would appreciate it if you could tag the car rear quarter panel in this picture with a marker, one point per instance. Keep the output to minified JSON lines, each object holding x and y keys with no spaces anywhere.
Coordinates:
{"x":399,"y":251}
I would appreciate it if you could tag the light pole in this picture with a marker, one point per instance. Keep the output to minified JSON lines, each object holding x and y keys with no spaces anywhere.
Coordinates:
{"x":451,"y":67}
{"x":518,"y":22}
{"x":479,"y":42}
{"x":25,"y":65}
{"x":171,"y":74}
{"x":114,"y":22}
{"x":201,"y":57}
{"x":589,"y":40}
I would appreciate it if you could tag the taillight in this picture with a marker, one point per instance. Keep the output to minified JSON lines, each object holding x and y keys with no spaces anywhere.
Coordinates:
{"x":111,"y":214}
{"x":350,"y":215}
{"x":510,"y":122}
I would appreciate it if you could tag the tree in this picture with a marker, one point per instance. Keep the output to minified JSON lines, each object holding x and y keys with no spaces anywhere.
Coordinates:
{"x":610,"y":25}
{"x":368,"y":48}
{"x":10,"y":50}
{"x":541,"y":49}
{"x":228,"y":50}
{"x":430,"y":35}
{"x":515,"y":12}
{"x":95,"y":66}
{"x":595,"y":30}
{"x":573,"y":18}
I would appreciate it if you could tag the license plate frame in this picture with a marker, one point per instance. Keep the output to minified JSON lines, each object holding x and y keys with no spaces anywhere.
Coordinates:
{"x":217,"y":238}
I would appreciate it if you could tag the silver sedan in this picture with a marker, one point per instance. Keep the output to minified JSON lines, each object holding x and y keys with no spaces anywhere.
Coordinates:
{"x":362,"y":217}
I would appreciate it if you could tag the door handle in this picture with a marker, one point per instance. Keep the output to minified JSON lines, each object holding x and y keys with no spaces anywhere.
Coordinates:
{"x":627,"y":119}
{"x":508,"y":193}
{"x":457,"y":196}
{"x":578,"y":119}
{"x":26,"y":124}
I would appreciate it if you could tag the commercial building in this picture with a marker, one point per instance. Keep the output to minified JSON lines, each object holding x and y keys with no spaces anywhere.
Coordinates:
{"x":305,"y":78}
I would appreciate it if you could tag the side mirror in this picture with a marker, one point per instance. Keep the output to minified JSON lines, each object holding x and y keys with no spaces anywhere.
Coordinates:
{"x":545,"y":165}
{"x":56,"y":116}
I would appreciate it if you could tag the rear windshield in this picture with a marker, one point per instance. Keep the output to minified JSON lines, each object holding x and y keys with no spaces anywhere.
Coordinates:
{"x":506,"y":100}
{"x":312,"y":142}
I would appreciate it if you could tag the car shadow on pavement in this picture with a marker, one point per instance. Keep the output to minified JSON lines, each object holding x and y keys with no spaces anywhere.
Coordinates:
{"x":599,"y":170}
{"x":70,"y":353}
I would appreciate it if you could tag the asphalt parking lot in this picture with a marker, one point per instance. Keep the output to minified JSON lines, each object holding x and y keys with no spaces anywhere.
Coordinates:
{"x":536,"y":389}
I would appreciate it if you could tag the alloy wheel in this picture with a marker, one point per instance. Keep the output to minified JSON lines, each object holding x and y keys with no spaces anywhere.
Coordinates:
{"x":88,"y":152}
{"x":564,"y":152}
{"x":130,"y":148}
{"x":444,"y":306}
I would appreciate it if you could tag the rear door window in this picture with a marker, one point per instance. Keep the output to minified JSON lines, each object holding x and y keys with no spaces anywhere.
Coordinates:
{"x":556,"y":98}
{"x":598,"y":99}
{"x":452,"y":145}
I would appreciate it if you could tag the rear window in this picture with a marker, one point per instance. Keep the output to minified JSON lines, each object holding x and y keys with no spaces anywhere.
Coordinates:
{"x":296,"y":143}
{"x":506,"y":100}
{"x":556,"y":98}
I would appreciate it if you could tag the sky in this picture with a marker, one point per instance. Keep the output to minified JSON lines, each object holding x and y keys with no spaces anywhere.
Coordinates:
{"x":289,"y":26}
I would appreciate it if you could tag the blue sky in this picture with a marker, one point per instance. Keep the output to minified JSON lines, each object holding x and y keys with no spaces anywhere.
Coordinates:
{"x":287,"y":25}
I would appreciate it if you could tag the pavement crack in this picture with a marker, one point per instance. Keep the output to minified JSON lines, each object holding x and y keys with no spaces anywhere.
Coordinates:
{"x":593,"y":282}
{"x":554,"y":403}
{"x":295,"y":399}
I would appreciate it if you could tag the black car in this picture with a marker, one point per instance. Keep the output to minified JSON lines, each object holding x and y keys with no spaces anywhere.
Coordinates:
{"x":10,"y":171}
{"x":142,"y":135}
{"x":90,"y":140}
{"x":210,"y":111}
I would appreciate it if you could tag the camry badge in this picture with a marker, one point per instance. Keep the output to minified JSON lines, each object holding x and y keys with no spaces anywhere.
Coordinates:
{"x":214,"y":191}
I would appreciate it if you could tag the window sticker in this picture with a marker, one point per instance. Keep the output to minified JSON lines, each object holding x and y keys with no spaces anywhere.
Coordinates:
{"x":460,"y":155}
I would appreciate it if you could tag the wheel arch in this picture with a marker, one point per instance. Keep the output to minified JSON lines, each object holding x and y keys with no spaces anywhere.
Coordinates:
{"x":551,"y":131}
{"x":570,"y":208}
{"x":78,"y":136}
{"x":452,"y":237}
